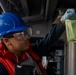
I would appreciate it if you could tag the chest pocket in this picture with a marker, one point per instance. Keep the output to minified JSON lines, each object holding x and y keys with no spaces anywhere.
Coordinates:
{"x":27,"y":67}
{"x":24,"y":70}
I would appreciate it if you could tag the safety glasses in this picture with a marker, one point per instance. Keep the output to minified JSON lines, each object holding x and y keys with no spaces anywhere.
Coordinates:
{"x":23,"y":35}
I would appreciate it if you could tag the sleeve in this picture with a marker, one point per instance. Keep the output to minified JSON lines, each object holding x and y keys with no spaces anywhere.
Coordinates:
{"x":41,"y":46}
{"x":3,"y":70}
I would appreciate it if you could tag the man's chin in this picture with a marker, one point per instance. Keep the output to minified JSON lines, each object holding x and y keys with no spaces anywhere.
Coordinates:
{"x":27,"y":48}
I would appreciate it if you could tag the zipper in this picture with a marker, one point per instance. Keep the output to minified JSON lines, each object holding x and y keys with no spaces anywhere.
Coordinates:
{"x":16,"y":58}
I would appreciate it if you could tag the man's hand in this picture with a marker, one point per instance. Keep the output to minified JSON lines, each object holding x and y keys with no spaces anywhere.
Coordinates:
{"x":68,"y":14}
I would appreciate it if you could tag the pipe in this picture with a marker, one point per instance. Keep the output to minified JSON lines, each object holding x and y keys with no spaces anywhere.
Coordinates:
{"x":71,"y":59}
{"x":35,"y":17}
{"x":3,"y":6}
{"x":47,"y":9}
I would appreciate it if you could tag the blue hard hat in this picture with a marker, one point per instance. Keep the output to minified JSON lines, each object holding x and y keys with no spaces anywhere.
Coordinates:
{"x":10,"y":22}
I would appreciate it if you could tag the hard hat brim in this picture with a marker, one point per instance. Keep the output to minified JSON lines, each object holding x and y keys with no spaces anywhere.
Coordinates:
{"x":15,"y":30}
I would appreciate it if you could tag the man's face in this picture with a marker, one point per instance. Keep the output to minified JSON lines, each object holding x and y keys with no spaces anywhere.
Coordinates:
{"x":19,"y":42}
{"x":17,"y":45}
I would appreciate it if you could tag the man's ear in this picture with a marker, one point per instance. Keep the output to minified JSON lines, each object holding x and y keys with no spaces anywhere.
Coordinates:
{"x":6,"y":41}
